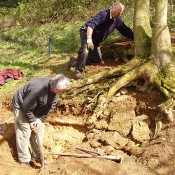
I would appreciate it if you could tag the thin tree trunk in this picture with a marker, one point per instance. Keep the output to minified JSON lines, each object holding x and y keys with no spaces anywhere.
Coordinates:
{"x":161,"y":40}
{"x":142,"y":28}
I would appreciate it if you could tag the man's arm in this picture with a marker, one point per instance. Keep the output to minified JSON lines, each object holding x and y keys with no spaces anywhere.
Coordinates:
{"x":126,"y":31}
{"x":90,"y":44}
{"x":89,"y":32}
{"x":50,"y":108}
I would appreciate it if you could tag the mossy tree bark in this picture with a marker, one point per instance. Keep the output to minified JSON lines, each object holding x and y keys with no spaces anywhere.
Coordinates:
{"x":162,"y":56}
{"x":142,"y":29}
{"x":153,"y":61}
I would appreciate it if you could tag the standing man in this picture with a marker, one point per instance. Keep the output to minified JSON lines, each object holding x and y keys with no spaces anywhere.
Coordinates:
{"x":93,"y":33}
{"x":32,"y":104}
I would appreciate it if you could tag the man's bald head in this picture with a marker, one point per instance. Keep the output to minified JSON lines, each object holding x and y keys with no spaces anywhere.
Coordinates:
{"x":117,"y":9}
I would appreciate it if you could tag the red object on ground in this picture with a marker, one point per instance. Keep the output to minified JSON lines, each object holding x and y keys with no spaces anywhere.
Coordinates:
{"x":10,"y":73}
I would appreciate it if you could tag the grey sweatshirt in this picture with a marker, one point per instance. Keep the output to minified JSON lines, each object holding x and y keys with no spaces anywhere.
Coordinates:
{"x":36,"y":99}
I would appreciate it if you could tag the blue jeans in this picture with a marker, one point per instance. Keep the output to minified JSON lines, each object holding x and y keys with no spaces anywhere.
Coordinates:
{"x":85,"y":56}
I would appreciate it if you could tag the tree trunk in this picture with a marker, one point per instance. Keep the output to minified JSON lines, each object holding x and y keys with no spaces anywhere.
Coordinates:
{"x":142,"y":28}
{"x":161,"y":49}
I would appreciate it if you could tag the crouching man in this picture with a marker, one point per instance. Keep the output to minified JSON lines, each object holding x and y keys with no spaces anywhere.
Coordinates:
{"x":32,"y":104}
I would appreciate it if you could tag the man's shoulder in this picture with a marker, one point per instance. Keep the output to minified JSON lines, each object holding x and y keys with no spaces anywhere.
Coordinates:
{"x":38,"y":84}
{"x":104,"y":12}
{"x":42,"y":80}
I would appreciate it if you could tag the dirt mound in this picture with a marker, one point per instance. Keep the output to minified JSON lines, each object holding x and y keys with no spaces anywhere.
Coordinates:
{"x":66,"y":137}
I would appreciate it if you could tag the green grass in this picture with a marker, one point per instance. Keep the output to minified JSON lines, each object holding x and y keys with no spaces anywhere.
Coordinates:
{"x":27,"y":49}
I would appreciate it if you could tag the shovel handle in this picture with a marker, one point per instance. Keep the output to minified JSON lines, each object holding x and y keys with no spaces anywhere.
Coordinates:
{"x":109,"y":157}
{"x":88,"y":151}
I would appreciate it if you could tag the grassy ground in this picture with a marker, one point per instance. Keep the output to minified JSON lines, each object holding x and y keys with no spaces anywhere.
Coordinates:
{"x":27,"y":50}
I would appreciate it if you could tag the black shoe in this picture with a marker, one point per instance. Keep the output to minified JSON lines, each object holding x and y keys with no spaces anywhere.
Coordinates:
{"x":72,"y":62}
{"x":78,"y":75}
{"x":25,"y":164}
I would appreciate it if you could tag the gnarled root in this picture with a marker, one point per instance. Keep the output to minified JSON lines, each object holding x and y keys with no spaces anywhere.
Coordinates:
{"x":157,"y":128}
{"x":167,"y":107}
{"x":101,"y":105}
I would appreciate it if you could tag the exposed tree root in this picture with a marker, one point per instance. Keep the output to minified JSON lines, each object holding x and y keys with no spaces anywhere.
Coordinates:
{"x":116,"y":72}
{"x":125,"y":74}
{"x":67,"y":122}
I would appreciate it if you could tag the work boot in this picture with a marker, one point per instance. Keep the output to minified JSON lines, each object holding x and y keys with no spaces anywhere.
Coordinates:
{"x":78,"y":75}
{"x":72,"y":62}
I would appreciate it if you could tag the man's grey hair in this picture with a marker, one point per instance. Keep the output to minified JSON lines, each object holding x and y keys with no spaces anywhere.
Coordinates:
{"x":60,"y":82}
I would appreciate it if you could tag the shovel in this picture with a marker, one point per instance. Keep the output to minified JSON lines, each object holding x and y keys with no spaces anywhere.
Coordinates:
{"x":109,"y":157}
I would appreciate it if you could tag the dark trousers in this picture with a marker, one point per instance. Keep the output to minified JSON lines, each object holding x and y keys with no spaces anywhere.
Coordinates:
{"x":85,"y":56}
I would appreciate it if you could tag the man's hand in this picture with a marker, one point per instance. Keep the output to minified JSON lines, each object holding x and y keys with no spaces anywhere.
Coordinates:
{"x":36,"y":124}
{"x":90,"y":45}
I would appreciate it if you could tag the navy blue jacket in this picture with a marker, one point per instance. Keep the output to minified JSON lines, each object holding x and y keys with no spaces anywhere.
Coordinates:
{"x":103,"y":26}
